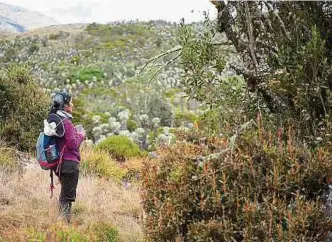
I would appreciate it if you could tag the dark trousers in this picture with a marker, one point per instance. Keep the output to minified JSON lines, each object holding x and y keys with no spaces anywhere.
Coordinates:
{"x":69,"y":180}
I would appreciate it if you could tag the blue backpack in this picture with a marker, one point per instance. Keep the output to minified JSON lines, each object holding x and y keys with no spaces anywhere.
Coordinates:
{"x":48,"y":153}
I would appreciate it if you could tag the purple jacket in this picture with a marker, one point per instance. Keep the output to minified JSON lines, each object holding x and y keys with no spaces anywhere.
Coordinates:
{"x":72,"y":141}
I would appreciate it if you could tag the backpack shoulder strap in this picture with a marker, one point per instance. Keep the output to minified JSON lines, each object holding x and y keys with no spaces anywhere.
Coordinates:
{"x":60,"y":129}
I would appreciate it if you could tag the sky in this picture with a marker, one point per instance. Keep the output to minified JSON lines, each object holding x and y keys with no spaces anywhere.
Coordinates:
{"x":103,"y":11}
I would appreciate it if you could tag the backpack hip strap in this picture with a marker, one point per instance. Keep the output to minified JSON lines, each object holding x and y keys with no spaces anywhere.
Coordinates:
{"x":52,"y":183}
{"x":58,"y":171}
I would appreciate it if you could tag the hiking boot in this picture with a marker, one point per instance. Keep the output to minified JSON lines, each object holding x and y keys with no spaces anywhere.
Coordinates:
{"x":65,"y":210}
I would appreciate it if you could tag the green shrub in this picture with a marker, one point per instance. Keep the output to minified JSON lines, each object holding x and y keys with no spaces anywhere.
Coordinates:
{"x":8,"y":159}
{"x":59,"y":35}
{"x":56,"y":233}
{"x":82,"y":116}
{"x":75,"y":60}
{"x":104,"y":232}
{"x":131,"y":125}
{"x":23,"y":107}
{"x":170,"y":93}
{"x":33,"y":48}
{"x":160,"y":108}
{"x":153,"y":135}
{"x":99,"y":163}
{"x":120,"y":147}
{"x":87,"y":73}
{"x":184,"y":117}
{"x":211,"y":122}
{"x":54,"y":36}
{"x":10,"y":54}
{"x":263,"y":189}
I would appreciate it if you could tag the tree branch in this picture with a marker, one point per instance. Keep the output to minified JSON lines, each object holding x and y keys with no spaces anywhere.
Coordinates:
{"x":282,"y":24}
{"x":251,"y":37}
{"x":175,"y":49}
{"x":163,"y":66}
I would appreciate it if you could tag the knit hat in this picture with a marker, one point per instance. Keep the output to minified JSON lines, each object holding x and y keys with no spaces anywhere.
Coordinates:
{"x":61,"y":99}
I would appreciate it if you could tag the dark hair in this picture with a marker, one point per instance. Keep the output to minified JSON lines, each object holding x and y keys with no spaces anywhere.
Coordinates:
{"x":60,"y":100}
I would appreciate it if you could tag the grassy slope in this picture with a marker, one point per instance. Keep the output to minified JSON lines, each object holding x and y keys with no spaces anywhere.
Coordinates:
{"x":26,"y":211}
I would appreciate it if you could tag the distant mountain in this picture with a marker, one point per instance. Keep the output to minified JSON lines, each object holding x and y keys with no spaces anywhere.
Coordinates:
{"x":18,"y":20}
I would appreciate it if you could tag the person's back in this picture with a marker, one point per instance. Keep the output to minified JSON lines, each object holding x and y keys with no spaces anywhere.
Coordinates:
{"x":71,"y":140}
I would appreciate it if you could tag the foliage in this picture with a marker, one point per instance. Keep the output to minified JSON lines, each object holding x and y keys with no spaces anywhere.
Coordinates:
{"x":120,"y":147}
{"x":81,"y":115}
{"x":211,"y":122}
{"x":23,"y":107}
{"x":170,"y":93}
{"x":56,"y":233}
{"x":59,"y":35}
{"x":99,"y":163}
{"x":159,"y":107}
{"x":131,"y":125}
{"x":202,"y":62}
{"x":285,"y":48}
{"x":8,"y":159}
{"x":118,"y":39}
{"x":104,"y":232}
{"x":87,"y":73}
{"x":266,"y":187}
{"x":33,"y":48}
{"x":54,"y":36}
{"x":184,"y":117}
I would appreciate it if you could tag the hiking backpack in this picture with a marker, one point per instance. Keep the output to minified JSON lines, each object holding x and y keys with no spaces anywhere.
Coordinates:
{"x":47,"y":150}
{"x":48,"y":153}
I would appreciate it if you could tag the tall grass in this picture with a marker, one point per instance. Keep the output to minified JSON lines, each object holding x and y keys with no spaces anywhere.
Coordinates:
{"x":28,"y":214}
{"x":100,"y":163}
{"x":8,"y":159}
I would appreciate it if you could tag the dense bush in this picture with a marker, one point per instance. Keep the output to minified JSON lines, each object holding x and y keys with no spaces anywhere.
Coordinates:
{"x":184,"y":117}
{"x":268,"y":187}
{"x":23,"y":106}
{"x":131,"y":125}
{"x":8,"y":159}
{"x":55,"y":233}
{"x":81,"y":115}
{"x":100,"y":163}
{"x":120,"y":147}
{"x":33,"y":48}
{"x":158,"y":107}
{"x":87,"y":73}
{"x":104,"y":232}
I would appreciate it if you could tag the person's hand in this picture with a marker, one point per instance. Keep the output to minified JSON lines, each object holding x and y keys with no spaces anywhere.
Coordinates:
{"x":82,"y":132}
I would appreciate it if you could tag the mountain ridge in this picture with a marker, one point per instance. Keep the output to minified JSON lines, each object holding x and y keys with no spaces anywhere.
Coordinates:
{"x":16,"y":19}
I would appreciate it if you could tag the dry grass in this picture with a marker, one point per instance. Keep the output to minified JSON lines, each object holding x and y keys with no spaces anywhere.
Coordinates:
{"x":25,"y":206}
{"x":96,"y":162}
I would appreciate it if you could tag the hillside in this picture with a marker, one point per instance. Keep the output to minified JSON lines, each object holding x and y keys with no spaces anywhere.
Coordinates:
{"x":98,"y":64}
{"x":15,"y":19}
{"x":212,"y":131}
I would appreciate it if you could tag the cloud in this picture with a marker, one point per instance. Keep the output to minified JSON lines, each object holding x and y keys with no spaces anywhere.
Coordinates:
{"x":103,"y":11}
{"x":76,"y":13}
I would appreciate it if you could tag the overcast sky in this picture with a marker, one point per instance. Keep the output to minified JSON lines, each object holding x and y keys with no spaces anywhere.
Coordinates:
{"x":74,"y":11}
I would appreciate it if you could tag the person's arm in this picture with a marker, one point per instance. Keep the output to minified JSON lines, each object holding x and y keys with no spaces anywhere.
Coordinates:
{"x":73,"y":140}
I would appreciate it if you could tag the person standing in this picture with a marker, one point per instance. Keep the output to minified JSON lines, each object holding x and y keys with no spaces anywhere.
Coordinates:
{"x":69,"y":141}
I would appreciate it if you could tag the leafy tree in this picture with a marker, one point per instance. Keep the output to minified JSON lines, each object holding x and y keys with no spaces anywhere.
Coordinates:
{"x":285,"y":49}
{"x":23,"y":107}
